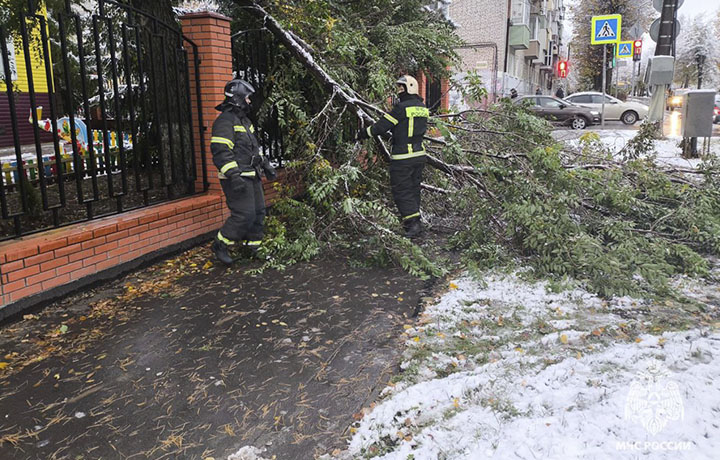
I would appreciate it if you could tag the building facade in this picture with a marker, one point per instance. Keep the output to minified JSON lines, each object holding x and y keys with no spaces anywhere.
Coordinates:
{"x":512,"y":44}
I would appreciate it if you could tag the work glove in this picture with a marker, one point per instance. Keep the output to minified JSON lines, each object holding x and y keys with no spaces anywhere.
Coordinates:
{"x":362,"y":135}
{"x":270,"y":172}
{"x":237,"y":183}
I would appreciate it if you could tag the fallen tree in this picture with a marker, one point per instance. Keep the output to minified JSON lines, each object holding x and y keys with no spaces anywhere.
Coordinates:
{"x":502,"y":189}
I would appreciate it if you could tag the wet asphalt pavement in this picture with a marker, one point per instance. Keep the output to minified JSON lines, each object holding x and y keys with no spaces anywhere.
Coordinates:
{"x":186,"y":361}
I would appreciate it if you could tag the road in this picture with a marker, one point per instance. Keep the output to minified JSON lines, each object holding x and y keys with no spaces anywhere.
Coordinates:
{"x":671,"y":127}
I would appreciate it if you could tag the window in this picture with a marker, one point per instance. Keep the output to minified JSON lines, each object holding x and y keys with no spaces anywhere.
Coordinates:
{"x":597,"y":99}
{"x":549,"y":103}
{"x":534,"y":26}
{"x":520,"y":12}
{"x":582,"y":99}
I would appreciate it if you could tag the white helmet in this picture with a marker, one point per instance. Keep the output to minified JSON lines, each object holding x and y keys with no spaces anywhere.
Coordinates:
{"x":411,"y":85}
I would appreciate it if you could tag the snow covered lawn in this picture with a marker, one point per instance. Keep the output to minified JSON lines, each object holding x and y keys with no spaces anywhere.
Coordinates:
{"x":503,"y":368}
{"x":667,"y":150}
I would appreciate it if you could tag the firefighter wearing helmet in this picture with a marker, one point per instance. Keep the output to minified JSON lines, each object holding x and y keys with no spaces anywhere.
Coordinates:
{"x":408,"y":123}
{"x":236,"y":154}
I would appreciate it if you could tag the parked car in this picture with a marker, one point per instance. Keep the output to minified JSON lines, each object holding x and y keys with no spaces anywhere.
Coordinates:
{"x":675,"y":98}
{"x":615,"y":109}
{"x":554,"y":109}
{"x":716,"y":112}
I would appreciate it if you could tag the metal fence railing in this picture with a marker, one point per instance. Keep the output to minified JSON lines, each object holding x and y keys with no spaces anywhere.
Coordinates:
{"x":253,"y":60}
{"x":95,"y":114}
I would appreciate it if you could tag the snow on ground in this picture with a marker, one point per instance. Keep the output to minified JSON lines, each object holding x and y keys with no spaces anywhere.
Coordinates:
{"x":667,"y":149}
{"x":248,"y":453}
{"x":503,"y":368}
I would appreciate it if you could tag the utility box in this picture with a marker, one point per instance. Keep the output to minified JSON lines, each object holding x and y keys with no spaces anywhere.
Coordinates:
{"x":660,"y":70}
{"x":697,"y":113}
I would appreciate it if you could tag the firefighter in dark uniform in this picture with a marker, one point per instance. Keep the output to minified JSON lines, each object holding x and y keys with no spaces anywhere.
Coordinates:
{"x":408,"y":122}
{"x":236,"y":154}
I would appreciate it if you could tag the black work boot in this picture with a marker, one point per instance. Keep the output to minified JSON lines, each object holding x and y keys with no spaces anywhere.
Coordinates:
{"x":413,"y":228}
{"x":221,"y":252}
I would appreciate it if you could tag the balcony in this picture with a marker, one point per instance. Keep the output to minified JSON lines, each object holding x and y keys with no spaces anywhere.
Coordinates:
{"x":519,"y":37}
{"x":533,"y":51}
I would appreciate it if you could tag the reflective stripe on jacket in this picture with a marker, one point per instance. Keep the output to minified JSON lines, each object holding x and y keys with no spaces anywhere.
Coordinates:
{"x":233,"y":143}
{"x":408,"y":122}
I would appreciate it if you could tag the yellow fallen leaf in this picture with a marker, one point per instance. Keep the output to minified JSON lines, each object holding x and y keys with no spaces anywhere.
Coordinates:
{"x":400,"y":299}
{"x":283,"y":324}
{"x":638,"y":340}
{"x":57,"y":376}
{"x":662,"y":340}
{"x":416,"y":339}
{"x":453,"y":286}
{"x":407,"y":326}
{"x":353,"y":430}
{"x":207,"y":265}
{"x":456,"y":403}
{"x":563,"y":338}
{"x":579,"y":355}
{"x":3,"y":365}
{"x":519,"y":350}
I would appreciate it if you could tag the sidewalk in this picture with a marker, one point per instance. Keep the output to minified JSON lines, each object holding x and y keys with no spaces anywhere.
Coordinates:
{"x":185,"y":360}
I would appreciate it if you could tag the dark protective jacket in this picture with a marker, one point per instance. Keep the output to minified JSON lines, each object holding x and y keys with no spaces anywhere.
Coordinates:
{"x":408,"y":122}
{"x":233,"y":143}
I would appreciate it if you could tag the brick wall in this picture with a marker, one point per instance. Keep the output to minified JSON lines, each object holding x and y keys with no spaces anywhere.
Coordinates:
{"x":481,"y":22}
{"x":38,"y":263}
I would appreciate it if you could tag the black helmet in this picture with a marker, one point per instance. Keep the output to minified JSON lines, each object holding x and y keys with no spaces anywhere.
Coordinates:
{"x":236,"y":91}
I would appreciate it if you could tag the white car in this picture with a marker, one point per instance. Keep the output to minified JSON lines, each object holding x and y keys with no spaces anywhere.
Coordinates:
{"x":615,"y":109}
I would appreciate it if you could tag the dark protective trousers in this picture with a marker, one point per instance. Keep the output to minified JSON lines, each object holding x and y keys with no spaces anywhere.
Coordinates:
{"x":247,"y":211}
{"x":405,"y":180}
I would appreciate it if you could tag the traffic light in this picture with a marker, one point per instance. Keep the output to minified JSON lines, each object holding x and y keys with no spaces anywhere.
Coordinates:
{"x":637,"y":50}
{"x":562,"y":69}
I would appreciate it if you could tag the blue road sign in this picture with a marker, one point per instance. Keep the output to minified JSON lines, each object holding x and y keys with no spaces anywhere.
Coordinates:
{"x":625,"y":49}
{"x":606,"y":29}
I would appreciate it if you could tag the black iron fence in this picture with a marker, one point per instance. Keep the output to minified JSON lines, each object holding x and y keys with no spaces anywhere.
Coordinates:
{"x":96,"y":115}
{"x":433,"y":94}
{"x":253,"y":59}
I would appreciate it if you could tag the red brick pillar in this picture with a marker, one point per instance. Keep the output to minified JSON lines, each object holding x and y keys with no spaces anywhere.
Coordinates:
{"x":445,"y":92}
{"x":211,"y":33}
{"x":422,"y":84}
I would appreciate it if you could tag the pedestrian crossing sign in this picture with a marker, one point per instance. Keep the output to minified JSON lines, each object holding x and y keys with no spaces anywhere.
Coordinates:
{"x":624,"y":49}
{"x":606,"y":29}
